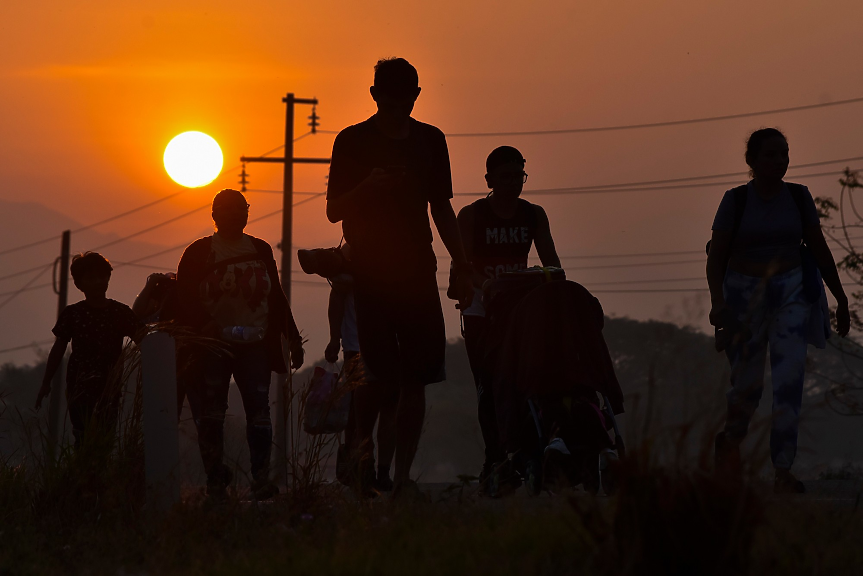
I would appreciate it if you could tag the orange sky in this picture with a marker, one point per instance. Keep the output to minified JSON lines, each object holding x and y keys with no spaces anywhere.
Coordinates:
{"x":93,"y":91}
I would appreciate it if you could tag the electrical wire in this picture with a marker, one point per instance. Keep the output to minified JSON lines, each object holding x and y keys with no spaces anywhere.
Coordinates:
{"x":21,"y":290}
{"x":641,"y":126}
{"x":145,"y":230}
{"x":594,"y":190}
{"x":666,"y":123}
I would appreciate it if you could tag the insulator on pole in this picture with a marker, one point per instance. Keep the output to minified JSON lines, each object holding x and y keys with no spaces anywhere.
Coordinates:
{"x":244,"y":178}
{"x":314,"y":120}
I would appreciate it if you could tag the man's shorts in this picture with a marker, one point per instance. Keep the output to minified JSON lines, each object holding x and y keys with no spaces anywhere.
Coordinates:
{"x":401,"y":330}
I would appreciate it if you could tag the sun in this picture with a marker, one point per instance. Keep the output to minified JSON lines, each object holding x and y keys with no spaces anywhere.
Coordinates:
{"x":193,"y":159}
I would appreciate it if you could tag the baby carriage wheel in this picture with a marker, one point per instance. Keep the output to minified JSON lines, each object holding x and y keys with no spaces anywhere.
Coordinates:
{"x":533,"y":477}
{"x":591,"y":474}
{"x":609,"y":468}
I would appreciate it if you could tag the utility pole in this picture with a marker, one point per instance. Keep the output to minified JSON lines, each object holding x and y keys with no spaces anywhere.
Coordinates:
{"x":283,"y":410}
{"x":288,"y":183}
{"x":61,"y":288}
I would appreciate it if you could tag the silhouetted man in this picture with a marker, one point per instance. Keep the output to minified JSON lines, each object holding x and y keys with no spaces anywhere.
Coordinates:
{"x":386,"y":173}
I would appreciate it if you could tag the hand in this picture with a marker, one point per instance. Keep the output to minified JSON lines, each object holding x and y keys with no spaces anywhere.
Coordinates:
{"x":43,"y":393}
{"x":211,"y":330}
{"x":381,"y":179}
{"x":716,"y":314}
{"x":331,"y":354}
{"x":461,"y":284}
{"x":155,"y":277}
{"x":297,"y":354}
{"x":843,"y":319}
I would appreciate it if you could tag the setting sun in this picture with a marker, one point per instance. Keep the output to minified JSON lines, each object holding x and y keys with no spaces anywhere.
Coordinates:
{"x":193,"y":159}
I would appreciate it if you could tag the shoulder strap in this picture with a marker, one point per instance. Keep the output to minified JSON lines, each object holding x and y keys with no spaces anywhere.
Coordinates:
{"x":798,"y":195}
{"x":740,"y":195}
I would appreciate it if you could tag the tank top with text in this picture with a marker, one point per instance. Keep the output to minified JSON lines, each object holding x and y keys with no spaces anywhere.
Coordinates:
{"x":502,"y":244}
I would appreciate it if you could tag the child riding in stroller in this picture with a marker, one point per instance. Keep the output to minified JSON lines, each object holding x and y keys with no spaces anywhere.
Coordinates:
{"x":549,"y":366}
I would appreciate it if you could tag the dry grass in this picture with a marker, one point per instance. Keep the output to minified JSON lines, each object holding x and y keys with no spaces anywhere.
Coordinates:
{"x":85,"y":514}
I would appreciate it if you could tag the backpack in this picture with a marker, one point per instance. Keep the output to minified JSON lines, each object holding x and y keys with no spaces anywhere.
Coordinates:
{"x":812,"y":282}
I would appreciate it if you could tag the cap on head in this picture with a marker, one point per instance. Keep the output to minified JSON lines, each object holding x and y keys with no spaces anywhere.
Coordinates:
{"x":396,"y":77}
{"x":503,"y":155}
{"x":228,"y":197}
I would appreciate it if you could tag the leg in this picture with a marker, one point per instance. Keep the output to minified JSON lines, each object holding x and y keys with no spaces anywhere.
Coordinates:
{"x":214,"y":403}
{"x":748,"y":361}
{"x":421,"y":360}
{"x":409,"y":426}
{"x":474,"y":340}
{"x":787,"y":363}
{"x":80,"y":411}
{"x":379,"y":347}
{"x":252,"y":373}
{"x":387,"y":431}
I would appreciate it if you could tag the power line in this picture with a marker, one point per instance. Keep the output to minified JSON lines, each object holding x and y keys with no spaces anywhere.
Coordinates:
{"x":606,"y":190}
{"x":27,"y":271}
{"x":15,"y":294}
{"x":145,"y":230}
{"x":37,"y":287}
{"x":184,"y":244}
{"x":657,"y":124}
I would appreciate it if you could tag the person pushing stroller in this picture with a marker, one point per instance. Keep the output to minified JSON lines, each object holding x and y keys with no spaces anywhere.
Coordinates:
{"x":498,"y":232}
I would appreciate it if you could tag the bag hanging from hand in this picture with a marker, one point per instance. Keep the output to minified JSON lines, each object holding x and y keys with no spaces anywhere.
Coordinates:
{"x":327,"y":406}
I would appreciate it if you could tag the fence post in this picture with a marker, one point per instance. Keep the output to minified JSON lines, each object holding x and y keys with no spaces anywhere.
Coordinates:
{"x":161,"y":435}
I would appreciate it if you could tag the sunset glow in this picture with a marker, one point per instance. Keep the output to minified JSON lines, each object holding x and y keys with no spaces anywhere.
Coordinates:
{"x":193,"y":159}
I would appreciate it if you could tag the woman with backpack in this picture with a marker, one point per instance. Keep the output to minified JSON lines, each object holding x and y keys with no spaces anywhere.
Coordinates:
{"x":766,"y":260}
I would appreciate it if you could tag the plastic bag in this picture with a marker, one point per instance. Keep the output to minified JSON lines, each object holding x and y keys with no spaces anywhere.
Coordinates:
{"x":327,"y":406}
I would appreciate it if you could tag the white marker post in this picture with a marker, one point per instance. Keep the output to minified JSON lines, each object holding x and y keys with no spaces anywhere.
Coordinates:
{"x":161,"y":436}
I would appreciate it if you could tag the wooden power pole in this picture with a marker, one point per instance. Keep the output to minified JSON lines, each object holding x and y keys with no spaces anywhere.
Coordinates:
{"x":282,"y":409}
{"x":61,"y":287}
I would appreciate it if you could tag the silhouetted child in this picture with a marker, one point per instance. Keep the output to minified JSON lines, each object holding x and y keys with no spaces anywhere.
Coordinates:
{"x":96,"y":327}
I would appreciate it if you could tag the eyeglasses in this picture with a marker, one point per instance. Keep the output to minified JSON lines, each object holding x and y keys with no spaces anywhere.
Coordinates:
{"x":511,"y":176}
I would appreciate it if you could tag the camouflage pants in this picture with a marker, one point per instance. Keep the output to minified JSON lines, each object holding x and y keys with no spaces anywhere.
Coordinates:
{"x":778,"y":316}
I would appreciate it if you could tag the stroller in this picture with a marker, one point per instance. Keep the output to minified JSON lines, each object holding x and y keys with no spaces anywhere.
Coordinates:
{"x":555,"y":391}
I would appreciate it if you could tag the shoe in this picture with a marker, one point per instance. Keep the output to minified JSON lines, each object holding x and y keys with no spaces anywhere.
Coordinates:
{"x":218,"y":480}
{"x":786,"y":483}
{"x":503,"y":480}
{"x":383,"y":483}
{"x":485,"y":475}
{"x":264,"y":489}
{"x":407,"y":491}
{"x":365,"y":482}
{"x":727,"y":456}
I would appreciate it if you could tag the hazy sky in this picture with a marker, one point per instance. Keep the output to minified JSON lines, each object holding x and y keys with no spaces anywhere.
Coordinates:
{"x":91,"y":92}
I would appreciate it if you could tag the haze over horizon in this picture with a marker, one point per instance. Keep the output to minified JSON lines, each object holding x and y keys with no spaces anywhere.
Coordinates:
{"x":93,"y":93}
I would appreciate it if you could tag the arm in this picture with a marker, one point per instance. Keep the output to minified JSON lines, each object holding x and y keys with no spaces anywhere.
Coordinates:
{"x":814,"y":238}
{"x":143,"y":304}
{"x":544,"y":242}
{"x":717,"y":263}
{"x":55,"y":358}
{"x":448,"y":228}
{"x":465,"y":220}
{"x":189,"y":276}
{"x":335,"y":314}
{"x":340,"y":206}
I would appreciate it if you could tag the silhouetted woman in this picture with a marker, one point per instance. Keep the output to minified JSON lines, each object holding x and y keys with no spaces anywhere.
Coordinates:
{"x":766,"y":293}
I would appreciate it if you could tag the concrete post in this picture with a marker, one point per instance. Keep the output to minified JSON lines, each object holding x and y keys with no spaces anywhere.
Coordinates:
{"x":161,"y":436}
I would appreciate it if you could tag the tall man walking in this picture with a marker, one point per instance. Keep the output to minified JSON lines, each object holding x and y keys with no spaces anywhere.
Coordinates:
{"x":386,"y":173}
